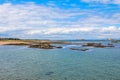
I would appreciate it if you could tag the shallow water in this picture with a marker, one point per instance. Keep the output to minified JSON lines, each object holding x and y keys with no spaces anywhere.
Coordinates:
{"x":22,"y":63}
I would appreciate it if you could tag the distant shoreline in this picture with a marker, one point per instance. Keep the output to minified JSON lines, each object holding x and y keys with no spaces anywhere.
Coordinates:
{"x":8,"y":41}
{"x":34,"y":41}
{"x":45,"y":44}
{"x":48,"y":44}
{"x":42,"y":44}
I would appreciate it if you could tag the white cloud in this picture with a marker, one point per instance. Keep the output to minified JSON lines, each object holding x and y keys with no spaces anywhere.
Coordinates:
{"x":82,"y":32}
{"x":57,"y":31}
{"x":66,"y":30}
{"x":32,"y":20}
{"x":103,"y":1}
{"x":116,"y":1}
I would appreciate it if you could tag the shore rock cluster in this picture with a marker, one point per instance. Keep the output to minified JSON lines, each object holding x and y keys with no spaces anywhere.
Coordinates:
{"x":44,"y":46}
{"x":116,"y":41}
{"x":98,"y":45}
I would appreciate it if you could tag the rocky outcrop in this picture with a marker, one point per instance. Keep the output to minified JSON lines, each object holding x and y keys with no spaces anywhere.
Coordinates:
{"x":44,"y":46}
{"x":81,"y":49}
{"x":58,"y":46}
{"x":98,"y":45}
{"x":115,"y":41}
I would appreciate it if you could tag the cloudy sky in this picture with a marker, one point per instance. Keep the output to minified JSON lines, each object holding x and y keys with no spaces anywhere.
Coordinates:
{"x":60,"y":19}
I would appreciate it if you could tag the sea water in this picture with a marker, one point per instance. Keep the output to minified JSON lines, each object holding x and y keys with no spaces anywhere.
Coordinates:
{"x":23,"y":63}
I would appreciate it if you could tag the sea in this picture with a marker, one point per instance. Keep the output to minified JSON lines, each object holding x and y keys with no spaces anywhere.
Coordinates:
{"x":23,"y":63}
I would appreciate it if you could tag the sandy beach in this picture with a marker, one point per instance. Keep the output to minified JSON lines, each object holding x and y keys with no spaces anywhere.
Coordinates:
{"x":5,"y":42}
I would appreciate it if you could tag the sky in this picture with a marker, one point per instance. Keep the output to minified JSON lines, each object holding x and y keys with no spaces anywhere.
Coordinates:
{"x":60,"y":19}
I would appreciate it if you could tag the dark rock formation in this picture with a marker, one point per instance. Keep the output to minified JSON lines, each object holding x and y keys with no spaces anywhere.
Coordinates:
{"x":81,"y":49}
{"x":49,"y":73}
{"x":115,"y":41}
{"x":92,"y":44}
{"x":98,"y":45}
{"x":44,"y":46}
{"x":84,"y":49}
{"x":58,"y":46}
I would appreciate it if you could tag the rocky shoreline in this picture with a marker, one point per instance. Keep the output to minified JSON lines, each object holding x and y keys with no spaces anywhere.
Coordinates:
{"x":42,"y":44}
{"x":48,"y":44}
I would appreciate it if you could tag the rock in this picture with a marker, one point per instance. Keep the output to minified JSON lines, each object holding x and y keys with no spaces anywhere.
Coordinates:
{"x":49,"y":73}
{"x":81,"y":49}
{"x":74,"y":49}
{"x":92,"y":44}
{"x":84,"y":49}
{"x":98,"y":45}
{"x":58,"y":47}
{"x":44,"y":46}
{"x":115,"y":41}
{"x":65,"y":78}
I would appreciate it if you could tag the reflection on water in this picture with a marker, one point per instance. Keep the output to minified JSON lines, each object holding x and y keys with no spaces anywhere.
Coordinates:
{"x":22,"y":63}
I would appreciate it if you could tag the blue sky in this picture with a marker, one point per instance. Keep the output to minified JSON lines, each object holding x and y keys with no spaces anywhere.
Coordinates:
{"x":60,"y":19}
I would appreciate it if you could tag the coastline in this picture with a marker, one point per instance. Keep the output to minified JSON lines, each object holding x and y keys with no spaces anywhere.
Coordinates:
{"x":49,"y":44}
{"x":7,"y":42}
{"x":42,"y":44}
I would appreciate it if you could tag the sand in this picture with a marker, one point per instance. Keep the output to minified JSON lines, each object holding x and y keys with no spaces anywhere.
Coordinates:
{"x":5,"y":42}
